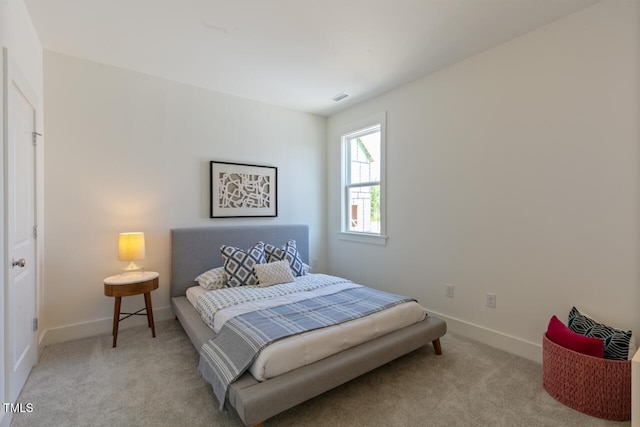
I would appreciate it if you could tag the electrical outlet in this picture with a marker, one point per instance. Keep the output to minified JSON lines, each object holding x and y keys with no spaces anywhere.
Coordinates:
{"x":449,"y":291}
{"x":491,"y":300}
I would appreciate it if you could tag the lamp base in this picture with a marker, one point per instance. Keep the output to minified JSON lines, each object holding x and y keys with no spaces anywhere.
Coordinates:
{"x":132,"y":267}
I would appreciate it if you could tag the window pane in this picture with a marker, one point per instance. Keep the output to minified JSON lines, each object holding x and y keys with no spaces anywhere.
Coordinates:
{"x":364,"y":209}
{"x":364,"y":156}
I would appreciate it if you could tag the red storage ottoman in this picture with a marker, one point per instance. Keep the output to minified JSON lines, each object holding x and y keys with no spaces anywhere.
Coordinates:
{"x":594,"y":386}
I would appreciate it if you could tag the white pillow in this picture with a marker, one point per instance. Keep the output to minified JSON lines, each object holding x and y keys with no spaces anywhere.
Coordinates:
{"x":213,"y":279}
{"x":274,"y":273}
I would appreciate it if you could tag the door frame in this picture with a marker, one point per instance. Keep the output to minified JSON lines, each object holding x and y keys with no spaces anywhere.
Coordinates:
{"x":14,"y":76}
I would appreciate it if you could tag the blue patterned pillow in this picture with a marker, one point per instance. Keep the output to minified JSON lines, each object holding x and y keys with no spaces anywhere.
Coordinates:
{"x":239,"y":264}
{"x":287,"y":252}
{"x":616,"y":341}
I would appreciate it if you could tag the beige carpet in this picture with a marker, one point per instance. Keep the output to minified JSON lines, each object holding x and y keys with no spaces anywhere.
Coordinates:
{"x":154,"y":382}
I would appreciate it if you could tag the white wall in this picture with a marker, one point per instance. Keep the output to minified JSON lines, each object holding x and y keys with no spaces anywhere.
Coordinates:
{"x":18,"y":35}
{"x":514,"y":172}
{"x":130,"y":152}
{"x":4,"y":418}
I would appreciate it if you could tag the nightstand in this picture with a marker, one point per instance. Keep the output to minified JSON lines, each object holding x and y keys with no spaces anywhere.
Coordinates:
{"x":128,"y":284}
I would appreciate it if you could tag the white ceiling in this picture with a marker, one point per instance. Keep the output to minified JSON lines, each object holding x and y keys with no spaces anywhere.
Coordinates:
{"x":294,"y":53}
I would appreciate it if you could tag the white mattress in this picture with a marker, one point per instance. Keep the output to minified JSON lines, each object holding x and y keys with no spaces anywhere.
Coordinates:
{"x":193,"y":293}
{"x":300,"y":350}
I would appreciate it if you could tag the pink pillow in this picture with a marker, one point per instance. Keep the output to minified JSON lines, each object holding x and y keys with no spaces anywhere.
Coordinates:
{"x":561,"y":335}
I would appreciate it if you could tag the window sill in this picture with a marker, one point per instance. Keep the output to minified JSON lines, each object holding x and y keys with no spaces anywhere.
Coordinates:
{"x":372,"y":239}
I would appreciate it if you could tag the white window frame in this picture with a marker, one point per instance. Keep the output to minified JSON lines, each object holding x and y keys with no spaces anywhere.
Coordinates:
{"x":346,"y":133}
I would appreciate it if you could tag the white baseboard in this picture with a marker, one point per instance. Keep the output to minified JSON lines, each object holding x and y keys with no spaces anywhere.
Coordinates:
{"x":98,"y":327}
{"x":511,"y":344}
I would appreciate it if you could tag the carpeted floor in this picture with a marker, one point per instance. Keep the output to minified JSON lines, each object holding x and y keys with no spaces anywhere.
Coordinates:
{"x":154,"y":382}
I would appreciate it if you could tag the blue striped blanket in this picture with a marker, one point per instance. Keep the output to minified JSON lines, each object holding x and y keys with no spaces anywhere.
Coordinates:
{"x":230,"y":353}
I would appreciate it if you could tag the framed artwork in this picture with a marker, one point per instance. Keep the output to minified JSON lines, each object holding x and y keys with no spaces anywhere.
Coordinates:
{"x":242,"y":190}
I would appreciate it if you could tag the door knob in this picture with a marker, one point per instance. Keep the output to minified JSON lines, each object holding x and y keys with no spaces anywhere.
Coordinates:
{"x":20,"y":263}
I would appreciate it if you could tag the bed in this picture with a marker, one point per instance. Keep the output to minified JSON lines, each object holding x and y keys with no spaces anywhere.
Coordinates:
{"x":196,"y":250}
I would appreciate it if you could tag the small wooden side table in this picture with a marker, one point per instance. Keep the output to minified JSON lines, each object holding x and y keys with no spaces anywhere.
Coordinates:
{"x":127,"y":284}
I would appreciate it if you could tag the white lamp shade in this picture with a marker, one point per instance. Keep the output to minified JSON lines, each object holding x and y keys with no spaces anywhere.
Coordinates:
{"x":131,"y":246}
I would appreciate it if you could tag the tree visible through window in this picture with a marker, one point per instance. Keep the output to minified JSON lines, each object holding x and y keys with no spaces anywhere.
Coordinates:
{"x":363,"y":155}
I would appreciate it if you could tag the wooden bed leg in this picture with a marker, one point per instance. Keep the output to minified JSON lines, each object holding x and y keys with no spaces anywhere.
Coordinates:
{"x":437,"y":346}
{"x":259,"y":425}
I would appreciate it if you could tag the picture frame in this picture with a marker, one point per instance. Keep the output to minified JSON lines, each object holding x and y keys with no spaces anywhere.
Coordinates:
{"x":242,"y":190}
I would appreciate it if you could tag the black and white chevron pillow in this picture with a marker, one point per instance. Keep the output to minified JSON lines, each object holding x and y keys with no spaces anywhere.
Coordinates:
{"x":287,"y":252}
{"x":239,"y":264}
{"x":616,"y":341}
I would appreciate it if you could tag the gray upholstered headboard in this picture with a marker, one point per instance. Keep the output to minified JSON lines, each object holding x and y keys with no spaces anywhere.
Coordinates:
{"x":196,"y":250}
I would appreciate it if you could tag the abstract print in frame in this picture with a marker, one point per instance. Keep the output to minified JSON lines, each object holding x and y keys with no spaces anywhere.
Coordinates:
{"x":243,"y":190}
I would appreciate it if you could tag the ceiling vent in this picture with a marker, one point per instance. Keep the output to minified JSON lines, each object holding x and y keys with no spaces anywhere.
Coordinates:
{"x":340,"y":97}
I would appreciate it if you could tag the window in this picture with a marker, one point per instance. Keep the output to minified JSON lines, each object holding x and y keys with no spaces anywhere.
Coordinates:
{"x":363,"y":181}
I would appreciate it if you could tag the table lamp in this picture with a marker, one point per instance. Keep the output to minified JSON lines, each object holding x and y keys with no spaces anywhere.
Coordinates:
{"x":131,"y":248}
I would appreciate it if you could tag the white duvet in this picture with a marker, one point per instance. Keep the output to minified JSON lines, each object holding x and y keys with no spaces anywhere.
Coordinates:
{"x":300,"y":350}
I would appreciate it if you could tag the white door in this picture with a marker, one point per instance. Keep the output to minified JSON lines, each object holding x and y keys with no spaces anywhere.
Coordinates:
{"x":20,"y":250}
